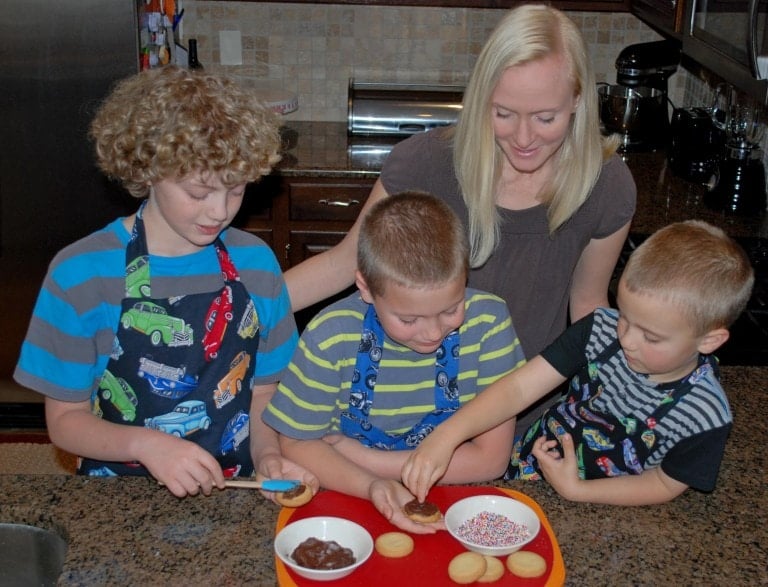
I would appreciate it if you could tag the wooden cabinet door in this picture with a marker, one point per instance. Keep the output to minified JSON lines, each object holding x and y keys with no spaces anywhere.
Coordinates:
{"x":320,"y":212}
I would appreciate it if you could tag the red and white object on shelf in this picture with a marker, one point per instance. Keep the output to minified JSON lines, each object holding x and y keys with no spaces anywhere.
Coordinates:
{"x":280,"y":101}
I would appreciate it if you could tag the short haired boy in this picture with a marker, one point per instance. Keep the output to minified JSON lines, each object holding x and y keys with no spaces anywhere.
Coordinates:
{"x":645,"y":416}
{"x":380,"y":370}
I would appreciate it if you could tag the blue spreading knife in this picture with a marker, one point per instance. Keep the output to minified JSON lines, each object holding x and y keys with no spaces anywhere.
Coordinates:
{"x":266,"y":485}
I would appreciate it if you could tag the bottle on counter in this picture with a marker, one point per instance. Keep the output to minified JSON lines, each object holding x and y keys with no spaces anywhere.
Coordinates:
{"x":193,"y":62}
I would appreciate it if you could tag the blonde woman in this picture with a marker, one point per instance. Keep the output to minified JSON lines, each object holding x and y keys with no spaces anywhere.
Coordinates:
{"x":545,"y":199}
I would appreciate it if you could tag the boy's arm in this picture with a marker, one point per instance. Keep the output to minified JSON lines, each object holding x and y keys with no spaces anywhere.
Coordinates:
{"x":484,"y":457}
{"x":498,"y":402}
{"x":333,"y":469}
{"x":651,"y":487}
{"x":338,"y":473}
{"x":265,"y":446}
{"x":183,"y":466}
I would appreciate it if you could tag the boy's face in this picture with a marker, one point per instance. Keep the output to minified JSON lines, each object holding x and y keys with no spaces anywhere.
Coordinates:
{"x":185,"y":215}
{"x":656,"y":338}
{"x":418,"y":318}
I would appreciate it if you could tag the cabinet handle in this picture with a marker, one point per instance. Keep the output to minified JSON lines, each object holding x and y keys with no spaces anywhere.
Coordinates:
{"x":340,"y":203}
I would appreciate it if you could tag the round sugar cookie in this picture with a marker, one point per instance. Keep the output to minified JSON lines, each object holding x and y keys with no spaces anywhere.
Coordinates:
{"x":494,"y":570}
{"x":526,"y":564}
{"x":466,"y":567}
{"x":294,"y":498}
{"x":394,"y":544}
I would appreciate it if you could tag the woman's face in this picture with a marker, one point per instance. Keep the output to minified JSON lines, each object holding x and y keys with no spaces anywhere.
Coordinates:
{"x":531,"y":110}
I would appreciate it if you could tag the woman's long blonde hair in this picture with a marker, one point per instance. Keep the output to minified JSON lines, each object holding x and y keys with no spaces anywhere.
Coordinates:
{"x":528,"y":32}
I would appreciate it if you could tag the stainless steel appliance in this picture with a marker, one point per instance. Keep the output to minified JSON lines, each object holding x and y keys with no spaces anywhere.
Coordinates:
{"x":730,"y":39}
{"x":637,"y":106}
{"x":376,"y":109}
{"x":379,"y":115}
{"x":57,"y":61}
{"x":740,"y":186}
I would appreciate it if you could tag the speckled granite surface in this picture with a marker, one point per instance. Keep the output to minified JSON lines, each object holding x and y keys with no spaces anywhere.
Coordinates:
{"x":129,"y":531}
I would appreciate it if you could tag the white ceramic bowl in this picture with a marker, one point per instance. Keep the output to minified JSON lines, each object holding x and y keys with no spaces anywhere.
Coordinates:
{"x":466,"y":509}
{"x":347,"y":533}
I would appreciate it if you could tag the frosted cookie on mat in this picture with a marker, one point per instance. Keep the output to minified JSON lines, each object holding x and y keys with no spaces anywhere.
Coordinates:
{"x":424,"y":513}
{"x":295,"y":497}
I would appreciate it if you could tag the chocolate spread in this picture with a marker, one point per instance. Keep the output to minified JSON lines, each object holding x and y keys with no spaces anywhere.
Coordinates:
{"x":295,"y":492}
{"x":314,"y":553}
{"x":426,"y":509}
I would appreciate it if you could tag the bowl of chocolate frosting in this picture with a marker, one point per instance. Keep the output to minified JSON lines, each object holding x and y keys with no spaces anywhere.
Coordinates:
{"x":323,"y":548}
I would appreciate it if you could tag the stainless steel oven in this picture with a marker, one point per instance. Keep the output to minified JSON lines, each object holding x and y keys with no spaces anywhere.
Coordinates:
{"x":729,"y":38}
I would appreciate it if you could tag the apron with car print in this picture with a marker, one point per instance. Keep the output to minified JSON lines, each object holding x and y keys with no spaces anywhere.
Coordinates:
{"x":181,"y":365}
{"x":355,"y":421}
{"x":605,"y":445}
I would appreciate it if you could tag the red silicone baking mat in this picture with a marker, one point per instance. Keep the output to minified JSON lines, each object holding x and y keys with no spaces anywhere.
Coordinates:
{"x":428,"y":564}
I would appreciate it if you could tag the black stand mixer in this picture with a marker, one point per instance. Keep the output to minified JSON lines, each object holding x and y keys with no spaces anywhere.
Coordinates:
{"x":636,"y":107}
{"x":740,"y":186}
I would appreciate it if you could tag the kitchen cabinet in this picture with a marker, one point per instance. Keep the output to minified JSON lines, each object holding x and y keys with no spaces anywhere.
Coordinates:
{"x":585,"y":5}
{"x":301,"y":216}
{"x":665,"y":16}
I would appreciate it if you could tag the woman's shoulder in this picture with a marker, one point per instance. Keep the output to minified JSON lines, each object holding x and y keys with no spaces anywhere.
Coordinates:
{"x":616,"y":172}
{"x":423,"y":161}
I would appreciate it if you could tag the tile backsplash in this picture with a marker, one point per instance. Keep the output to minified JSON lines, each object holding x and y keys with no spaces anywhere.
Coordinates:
{"x":311,"y":50}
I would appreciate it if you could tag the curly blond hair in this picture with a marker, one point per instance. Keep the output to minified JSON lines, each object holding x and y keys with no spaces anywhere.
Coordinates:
{"x":169,"y":122}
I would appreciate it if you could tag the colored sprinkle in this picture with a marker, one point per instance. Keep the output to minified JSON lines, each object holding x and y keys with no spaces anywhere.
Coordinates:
{"x":489,"y":529}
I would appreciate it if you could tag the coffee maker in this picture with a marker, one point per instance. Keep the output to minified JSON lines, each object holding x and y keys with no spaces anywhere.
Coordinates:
{"x":740,"y":186}
{"x":642,"y":71}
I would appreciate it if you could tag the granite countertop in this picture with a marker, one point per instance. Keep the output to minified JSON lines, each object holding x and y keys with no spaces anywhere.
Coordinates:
{"x":129,"y":531}
{"x":324,"y":149}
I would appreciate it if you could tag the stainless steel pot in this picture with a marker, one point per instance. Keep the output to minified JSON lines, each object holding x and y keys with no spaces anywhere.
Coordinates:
{"x":627,"y":110}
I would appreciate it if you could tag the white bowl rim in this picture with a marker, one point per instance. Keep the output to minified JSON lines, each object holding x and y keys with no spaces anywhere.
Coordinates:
{"x":489,"y":499}
{"x":285,"y":556}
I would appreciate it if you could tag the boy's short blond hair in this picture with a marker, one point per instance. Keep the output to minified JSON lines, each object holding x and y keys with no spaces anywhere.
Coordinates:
{"x":168,"y":122}
{"x":698,"y":268}
{"x":412,"y":239}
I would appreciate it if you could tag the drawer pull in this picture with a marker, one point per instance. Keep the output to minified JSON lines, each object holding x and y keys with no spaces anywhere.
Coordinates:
{"x":339,"y":203}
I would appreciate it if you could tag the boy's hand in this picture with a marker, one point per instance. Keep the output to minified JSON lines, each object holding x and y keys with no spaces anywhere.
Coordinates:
{"x":425,"y":465}
{"x":275,"y":466}
{"x":389,"y":496}
{"x":182,"y":466}
{"x":561,"y":472}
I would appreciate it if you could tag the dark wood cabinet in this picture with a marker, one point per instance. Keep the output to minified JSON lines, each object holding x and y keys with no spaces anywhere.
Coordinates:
{"x":665,"y":16}
{"x":585,"y":5}
{"x":301,"y":216}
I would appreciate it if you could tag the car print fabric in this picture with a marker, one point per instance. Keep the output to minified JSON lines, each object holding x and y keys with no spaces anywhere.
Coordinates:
{"x":182,"y":365}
